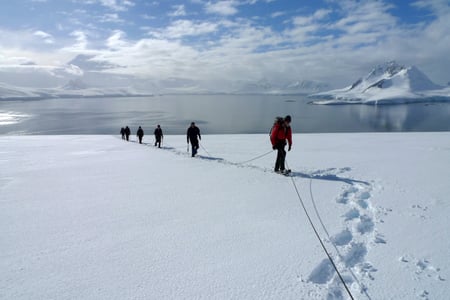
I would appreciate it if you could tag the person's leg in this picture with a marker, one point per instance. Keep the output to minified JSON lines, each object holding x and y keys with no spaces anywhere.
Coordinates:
{"x":278,"y":161}
{"x":194,"y":147}
{"x":282,"y":159}
{"x":281,"y":155}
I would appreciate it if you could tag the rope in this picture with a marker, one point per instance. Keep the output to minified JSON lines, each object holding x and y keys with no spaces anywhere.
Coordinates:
{"x":320,"y":240}
{"x":329,"y":238}
{"x":310,"y":222}
{"x":201,"y":145}
{"x":255,"y":158}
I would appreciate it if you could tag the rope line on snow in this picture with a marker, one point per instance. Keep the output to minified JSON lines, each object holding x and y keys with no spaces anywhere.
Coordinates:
{"x":255,"y":158}
{"x":320,"y":240}
{"x":310,"y":222}
{"x":239,"y":163}
{"x":329,"y":238}
{"x":201,"y":145}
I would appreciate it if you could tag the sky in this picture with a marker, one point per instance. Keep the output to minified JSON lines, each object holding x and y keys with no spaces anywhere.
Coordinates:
{"x":224,"y":41}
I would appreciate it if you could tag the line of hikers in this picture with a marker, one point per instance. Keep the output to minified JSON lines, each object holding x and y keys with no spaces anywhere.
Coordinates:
{"x":280,"y":136}
{"x":126,"y":132}
{"x":193,"y":136}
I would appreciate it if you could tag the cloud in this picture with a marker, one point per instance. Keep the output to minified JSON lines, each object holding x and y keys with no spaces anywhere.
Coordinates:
{"x":184,"y":28}
{"x":81,"y":41}
{"x":46,"y":37}
{"x":111,"y":18}
{"x":115,"y":5}
{"x":225,"y":8}
{"x":336,"y":43}
{"x":179,"y":11}
{"x":115,"y":41}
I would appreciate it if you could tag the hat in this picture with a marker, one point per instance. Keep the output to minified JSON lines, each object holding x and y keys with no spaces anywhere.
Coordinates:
{"x":287,"y":118}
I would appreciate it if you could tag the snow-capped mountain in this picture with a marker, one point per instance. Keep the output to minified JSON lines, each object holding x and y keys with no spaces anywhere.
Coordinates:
{"x":307,"y":86}
{"x":12,"y":92}
{"x":79,"y":88}
{"x":386,"y":84}
{"x":264,"y":86}
{"x":72,"y":89}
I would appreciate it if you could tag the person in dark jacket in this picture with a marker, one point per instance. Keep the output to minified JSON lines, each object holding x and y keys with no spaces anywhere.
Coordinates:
{"x":280,"y":134}
{"x":122,"y":132}
{"x":140,"y":134}
{"x":127,"y":133}
{"x":158,"y":136}
{"x":192,"y":133}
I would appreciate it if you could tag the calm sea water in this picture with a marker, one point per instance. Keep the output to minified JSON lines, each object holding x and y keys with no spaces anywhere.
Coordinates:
{"x":214,"y":114}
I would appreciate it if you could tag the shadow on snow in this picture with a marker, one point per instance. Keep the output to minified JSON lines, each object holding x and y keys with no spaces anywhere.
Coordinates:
{"x":328,"y":177}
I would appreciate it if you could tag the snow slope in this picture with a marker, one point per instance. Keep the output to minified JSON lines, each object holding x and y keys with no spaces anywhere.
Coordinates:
{"x":390,"y":83}
{"x":95,"y":217}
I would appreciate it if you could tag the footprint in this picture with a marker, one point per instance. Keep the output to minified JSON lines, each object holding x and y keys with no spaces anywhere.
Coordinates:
{"x":351,"y":214}
{"x":355,"y":255}
{"x":424,"y":294}
{"x":379,"y":239}
{"x":423,"y":268}
{"x":365,"y":225}
{"x":342,"y":238}
{"x":368,"y":269}
{"x":346,"y":195}
{"x":323,"y":273}
{"x":363,"y":203}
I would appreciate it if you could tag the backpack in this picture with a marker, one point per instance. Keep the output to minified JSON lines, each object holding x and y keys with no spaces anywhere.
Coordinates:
{"x":279,"y":121}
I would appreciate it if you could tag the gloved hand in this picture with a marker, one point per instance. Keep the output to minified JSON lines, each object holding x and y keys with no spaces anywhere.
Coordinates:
{"x":273,"y":147}
{"x":289,"y":148}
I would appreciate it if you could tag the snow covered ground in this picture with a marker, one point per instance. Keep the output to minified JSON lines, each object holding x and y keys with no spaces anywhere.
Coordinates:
{"x":95,"y":217}
{"x":389,"y":83}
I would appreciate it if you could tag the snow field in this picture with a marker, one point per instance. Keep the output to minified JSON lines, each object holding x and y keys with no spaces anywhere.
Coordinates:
{"x":95,"y":217}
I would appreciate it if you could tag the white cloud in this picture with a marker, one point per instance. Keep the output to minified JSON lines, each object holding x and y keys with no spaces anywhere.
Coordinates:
{"x":116,"y":41}
{"x":225,"y":7}
{"x":115,"y":5}
{"x":81,"y":41}
{"x":336,"y":44}
{"x":111,"y":18}
{"x":46,"y":37}
{"x":277,"y":14}
{"x":182,"y":28}
{"x":179,"y":11}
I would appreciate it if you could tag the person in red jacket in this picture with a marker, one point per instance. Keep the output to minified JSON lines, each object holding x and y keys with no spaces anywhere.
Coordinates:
{"x":280,"y":134}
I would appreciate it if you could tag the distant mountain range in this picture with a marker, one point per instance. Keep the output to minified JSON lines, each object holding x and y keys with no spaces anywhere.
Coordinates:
{"x":83,"y":77}
{"x":72,"y":89}
{"x":390,"y":83}
{"x":78,"y":88}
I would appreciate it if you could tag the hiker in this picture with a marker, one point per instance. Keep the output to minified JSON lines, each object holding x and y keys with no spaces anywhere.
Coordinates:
{"x":158,"y":135}
{"x":140,"y":134}
{"x":280,"y":133}
{"x":192,"y":133}
{"x":122,"y":132}
{"x":127,"y":133}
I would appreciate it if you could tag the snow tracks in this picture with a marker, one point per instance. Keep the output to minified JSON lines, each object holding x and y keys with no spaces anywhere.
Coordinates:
{"x":350,"y":245}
